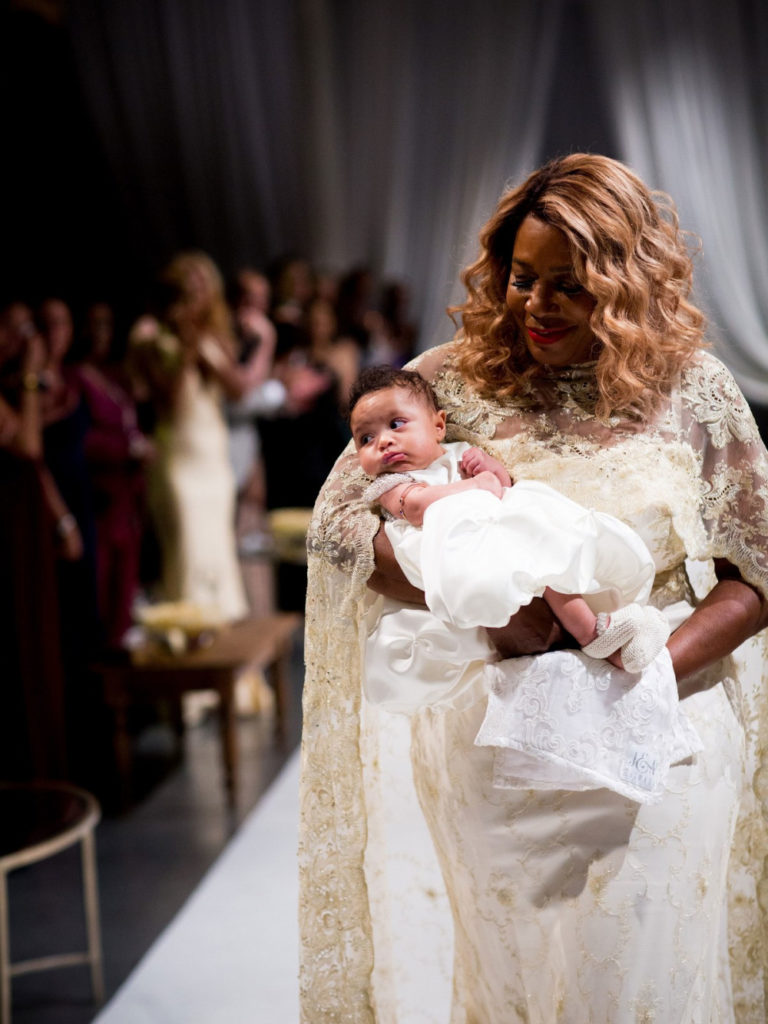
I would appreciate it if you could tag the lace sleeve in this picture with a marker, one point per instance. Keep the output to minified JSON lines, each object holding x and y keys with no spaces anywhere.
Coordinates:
{"x":381,"y":486}
{"x":336,"y":950}
{"x":343,"y":524}
{"x":734,"y":469}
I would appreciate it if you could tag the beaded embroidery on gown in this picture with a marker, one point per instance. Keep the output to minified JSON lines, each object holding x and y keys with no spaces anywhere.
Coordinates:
{"x":565,"y":906}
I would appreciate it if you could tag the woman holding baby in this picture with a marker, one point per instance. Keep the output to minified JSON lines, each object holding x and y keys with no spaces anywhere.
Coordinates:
{"x":580,"y":364}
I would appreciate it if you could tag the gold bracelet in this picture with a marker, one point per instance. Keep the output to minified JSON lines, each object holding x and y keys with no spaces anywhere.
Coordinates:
{"x":408,"y":487}
{"x":30,"y":381}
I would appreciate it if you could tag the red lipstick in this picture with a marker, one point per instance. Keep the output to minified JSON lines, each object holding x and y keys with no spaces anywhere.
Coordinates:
{"x":547,"y":337}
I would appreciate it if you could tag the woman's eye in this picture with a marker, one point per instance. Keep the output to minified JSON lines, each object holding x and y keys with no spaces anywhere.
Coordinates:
{"x":570,"y":287}
{"x":521,"y":284}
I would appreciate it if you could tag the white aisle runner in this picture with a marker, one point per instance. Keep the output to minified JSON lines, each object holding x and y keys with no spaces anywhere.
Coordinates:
{"x":230,"y":956}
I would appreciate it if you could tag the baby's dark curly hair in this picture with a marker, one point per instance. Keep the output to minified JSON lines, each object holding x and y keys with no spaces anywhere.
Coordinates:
{"x":377,"y":378}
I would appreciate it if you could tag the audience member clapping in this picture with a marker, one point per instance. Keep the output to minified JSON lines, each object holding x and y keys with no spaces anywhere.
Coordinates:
{"x":184,"y":362}
{"x":116,"y":452}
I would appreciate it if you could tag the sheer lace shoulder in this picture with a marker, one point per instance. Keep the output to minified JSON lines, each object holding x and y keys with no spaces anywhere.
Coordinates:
{"x":343,"y":525}
{"x":733,"y":467}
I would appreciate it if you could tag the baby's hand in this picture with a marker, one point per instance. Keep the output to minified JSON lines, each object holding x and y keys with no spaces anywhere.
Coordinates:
{"x":487,"y":481}
{"x":474,"y":461}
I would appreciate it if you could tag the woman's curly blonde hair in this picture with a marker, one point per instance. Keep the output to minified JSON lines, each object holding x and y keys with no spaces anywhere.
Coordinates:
{"x":628,"y":253}
{"x":189,"y":273}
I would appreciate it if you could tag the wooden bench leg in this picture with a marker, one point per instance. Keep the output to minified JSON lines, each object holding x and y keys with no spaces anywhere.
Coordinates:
{"x":279,"y":679}
{"x":123,"y":749}
{"x":225,"y":684}
{"x":92,"y":922}
{"x":5,"y":954}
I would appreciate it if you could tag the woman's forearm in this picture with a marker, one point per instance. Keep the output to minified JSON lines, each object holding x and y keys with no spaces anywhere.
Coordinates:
{"x":388,"y":578}
{"x":730,"y":614}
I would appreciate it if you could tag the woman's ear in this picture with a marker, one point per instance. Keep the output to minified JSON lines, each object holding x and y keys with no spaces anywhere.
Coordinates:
{"x":440,"y":424}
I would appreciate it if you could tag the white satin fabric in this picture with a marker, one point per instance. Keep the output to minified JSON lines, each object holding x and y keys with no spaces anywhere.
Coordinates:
{"x":479,"y":558}
{"x":412,"y":660}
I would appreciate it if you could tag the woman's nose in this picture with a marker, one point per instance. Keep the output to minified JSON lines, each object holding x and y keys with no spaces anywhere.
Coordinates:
{"x":541,"y":298}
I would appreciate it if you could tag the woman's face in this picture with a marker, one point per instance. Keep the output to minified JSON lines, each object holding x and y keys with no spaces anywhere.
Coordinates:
{"x":100,"y":324}
{"x":56,"y":320}
{"x":198,"y":287}
{"x":551,"y":308}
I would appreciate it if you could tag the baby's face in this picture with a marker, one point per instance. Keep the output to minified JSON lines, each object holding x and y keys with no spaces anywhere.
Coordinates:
{"x":396,"y":431}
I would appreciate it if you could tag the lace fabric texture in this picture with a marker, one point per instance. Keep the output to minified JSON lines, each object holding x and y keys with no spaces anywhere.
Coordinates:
{"x":694,"y":484}
{"x":562,"y":720}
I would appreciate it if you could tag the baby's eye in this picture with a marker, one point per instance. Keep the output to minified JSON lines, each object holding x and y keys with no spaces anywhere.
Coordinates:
{"x":398,"y":421}
{"x":365,"y":439}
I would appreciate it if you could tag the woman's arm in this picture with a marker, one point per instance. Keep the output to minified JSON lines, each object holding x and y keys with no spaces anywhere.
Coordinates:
{"x":222,"y":365}
{"x":388,"y":578}
{"x":731,"y":613}
{"x":67,"y":530}
{"x":258,"y":325}
{"x":22,"y":427}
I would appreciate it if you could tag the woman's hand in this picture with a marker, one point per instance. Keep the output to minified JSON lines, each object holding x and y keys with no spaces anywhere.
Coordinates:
{"x":145,"y":329}
{"x":70,"y":538}
{"x":731,"y":613}
{"x":533,"y":630}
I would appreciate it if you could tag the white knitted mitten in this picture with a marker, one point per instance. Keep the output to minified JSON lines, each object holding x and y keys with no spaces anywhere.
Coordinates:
{"x":639,"y":631}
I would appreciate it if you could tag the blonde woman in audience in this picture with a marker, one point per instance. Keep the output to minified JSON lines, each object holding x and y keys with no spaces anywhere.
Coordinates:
{"x":183,"y":362}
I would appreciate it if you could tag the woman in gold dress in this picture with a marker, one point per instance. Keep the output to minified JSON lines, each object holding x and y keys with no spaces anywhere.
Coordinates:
{"x":580,"y":363}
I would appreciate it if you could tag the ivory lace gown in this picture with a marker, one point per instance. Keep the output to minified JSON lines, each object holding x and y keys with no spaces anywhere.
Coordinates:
{"x":576,"y":907}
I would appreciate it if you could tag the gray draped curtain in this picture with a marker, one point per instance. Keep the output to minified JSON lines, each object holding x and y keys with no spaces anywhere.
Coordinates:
{"x":691,"y":111}
{"x":381,"y":132}
{"x":377,"y":133}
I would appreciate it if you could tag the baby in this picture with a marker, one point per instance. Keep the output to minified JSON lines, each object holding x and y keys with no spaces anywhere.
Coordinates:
{"x":541,"y":538}
{"x":480,"y":548}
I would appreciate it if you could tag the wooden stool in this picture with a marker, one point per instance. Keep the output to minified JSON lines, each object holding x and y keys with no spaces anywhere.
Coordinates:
{"x":154,"y":672}
{"x":39,"y":820}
